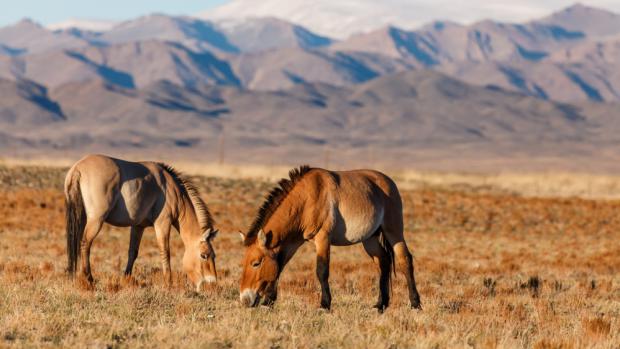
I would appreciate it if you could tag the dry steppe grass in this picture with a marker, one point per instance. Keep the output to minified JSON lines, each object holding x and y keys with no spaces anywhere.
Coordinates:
{"x":494,"y":269}
{"x":551,"y":184}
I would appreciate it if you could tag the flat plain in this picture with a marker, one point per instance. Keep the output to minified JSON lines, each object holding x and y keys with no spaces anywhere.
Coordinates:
{"x":494,"y":269}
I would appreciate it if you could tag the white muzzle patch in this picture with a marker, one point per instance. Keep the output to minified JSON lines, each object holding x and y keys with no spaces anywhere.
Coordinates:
{"x":207,"y":280}
{"x":247,"y":297}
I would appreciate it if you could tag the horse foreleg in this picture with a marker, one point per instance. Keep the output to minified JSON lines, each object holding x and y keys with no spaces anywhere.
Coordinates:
{"x":162,"y":231}
{"x":322,"y":268}
{"x":90,"y":232}
{"x":134,"y":246}
{"x":382,"y":259}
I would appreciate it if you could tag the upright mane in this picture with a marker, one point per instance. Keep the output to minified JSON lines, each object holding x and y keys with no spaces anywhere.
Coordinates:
{"x":274,"y":199}
{"x":205,"y":220}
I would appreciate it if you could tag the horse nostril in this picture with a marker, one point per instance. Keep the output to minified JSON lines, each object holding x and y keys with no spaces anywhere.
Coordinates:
{"x":248,"y":298}
{"x":245,"y":300}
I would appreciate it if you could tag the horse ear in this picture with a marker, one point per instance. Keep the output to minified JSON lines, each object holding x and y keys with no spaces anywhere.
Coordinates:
{"x":213,"y":234}
{"x":242,"y":236}
{"x":262,"y":238}
{"x":209,"y":234}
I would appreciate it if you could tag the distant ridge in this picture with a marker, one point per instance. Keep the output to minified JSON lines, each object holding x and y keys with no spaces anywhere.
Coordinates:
{"x":404,"y":119}
{"x":591,"y":21}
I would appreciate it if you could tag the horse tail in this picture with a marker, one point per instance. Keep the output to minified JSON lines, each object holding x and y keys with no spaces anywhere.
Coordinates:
{"x":75,"y":218}
{"x":389,"y":250}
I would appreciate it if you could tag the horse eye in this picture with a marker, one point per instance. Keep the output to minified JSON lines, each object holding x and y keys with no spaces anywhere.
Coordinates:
{"x":256,"y":263}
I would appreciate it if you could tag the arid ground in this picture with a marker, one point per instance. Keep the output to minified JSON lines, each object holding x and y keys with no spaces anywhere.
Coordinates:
{"x":494,"y":269}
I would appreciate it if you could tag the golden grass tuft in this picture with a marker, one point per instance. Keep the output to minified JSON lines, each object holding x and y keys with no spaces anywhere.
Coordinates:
{"x":597,"y":328}
{"x":553,"y":344}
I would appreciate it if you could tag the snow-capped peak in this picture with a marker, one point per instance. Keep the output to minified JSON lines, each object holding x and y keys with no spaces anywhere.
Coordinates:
{"x":85,"y":24}
{"x":342,"y":18}
{"x":327,"y":17}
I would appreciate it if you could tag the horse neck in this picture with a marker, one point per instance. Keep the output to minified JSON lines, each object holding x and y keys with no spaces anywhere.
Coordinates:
{"x":189,"y":227}
{"x":286,"y":221}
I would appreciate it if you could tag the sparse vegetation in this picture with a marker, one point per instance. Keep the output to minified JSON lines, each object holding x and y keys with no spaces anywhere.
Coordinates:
{"x":494,"y":269}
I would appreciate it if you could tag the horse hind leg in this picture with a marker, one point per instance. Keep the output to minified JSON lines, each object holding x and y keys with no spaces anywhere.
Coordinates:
{"x":93,"y":226}
{"x":383,"y":259}
{"x":134,"y":246}
{"x":405,"y":263}
{"x":393,"y":230}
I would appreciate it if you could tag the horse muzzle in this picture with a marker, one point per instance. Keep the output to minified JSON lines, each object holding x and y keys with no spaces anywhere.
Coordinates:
{"x":249,"y":298}
{"x":209,"y":280}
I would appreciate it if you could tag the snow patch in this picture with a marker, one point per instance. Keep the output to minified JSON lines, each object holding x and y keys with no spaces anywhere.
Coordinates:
{"x":84,"y":24}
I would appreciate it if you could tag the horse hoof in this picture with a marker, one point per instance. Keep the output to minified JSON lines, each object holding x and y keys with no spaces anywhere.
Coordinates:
{"x":380,"y":308}
{"x":86,"y":284}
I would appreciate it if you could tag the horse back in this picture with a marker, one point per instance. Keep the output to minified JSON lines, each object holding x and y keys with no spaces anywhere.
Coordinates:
{"x":366,"y":187}
{"x":124,"y":192}
{"x":356,"y":202}
{"x":107,"y":172}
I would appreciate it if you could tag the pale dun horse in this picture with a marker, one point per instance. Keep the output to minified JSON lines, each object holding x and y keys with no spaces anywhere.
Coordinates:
{"x":101,"y":189}
{"x":329,"y":208}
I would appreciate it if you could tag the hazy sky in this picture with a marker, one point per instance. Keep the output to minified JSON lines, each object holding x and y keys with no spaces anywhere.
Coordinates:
{"x":54,"y":11}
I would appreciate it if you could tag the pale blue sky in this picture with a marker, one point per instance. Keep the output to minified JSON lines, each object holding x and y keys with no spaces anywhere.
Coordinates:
{"x":49,"y":12}
{"x":54,"y":11}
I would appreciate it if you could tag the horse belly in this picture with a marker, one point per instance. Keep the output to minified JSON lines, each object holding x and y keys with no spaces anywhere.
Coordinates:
{"x":132,"y":205}
{"x":353,"y":226}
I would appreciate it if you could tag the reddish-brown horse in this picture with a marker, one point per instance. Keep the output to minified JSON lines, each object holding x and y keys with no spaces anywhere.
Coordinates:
{"x":329,"y":208}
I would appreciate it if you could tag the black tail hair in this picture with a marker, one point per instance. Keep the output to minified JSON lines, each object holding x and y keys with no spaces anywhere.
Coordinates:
{"x":76,"y":221}
{"x":389,"y":250}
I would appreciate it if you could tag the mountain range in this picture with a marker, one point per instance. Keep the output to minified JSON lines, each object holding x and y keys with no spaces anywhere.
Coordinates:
{"x":573,"y":54}
{"x":544,"y":89}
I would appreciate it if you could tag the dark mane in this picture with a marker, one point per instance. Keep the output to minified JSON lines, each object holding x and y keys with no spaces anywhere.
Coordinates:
{"x":205,"y":220}
{"x":274,"y":199}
